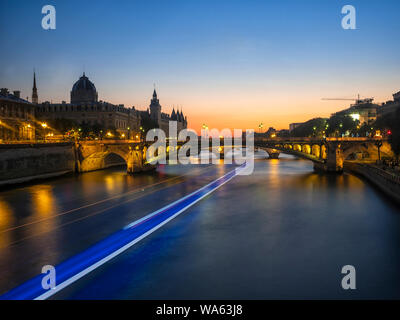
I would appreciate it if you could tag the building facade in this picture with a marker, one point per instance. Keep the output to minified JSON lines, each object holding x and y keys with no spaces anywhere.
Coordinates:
{"x":390,"y":106}
{"x":23,"y":120}
{"x":17,"y":117}
{"x":85,"y":109}
{"x":363,"y":110}
{"x":396,"y":97}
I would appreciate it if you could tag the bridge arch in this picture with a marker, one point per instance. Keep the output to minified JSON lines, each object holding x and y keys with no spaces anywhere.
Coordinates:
{"x":329,"y":154}
{"x":316,"y":150}
{"x":297,"y":147}
{"x":101,"y":160}
{"x":366,"y":151}
{"x":306,"y":149}
{"x":100,"y":155}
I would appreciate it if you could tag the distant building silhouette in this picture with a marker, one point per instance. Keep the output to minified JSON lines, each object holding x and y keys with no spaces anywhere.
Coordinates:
{"x":161,"y":119}
{"x":389,"y":107}
{"x":396,"y":96}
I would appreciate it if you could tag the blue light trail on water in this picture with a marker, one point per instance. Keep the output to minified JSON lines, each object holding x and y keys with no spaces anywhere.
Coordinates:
{"x":81,"y":264}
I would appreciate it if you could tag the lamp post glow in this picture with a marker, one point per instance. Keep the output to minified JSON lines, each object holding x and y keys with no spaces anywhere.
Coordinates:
{"x":205,"y":129}
{"x":44,"y":126}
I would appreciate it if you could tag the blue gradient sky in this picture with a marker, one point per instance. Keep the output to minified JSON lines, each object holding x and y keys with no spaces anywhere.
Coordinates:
{"x":229,"y":63}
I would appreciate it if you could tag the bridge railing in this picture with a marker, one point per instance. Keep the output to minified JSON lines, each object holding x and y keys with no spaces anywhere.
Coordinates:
{"x":294,"y":139}
{"x":109,"y":141}
{"x":38,"y":141}
{"x":314,"y":140}
{"x":356,"y":139}
{"x":58,"y":141}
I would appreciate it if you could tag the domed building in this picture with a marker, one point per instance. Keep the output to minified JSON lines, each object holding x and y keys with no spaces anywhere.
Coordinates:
{"x":85,"y":109}
{"x":83,"y":91}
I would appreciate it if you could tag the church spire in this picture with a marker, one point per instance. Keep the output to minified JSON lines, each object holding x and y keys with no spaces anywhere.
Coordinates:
{"x":154,"y":92}
{"x":173,"y":114}
{"x":34,"y":90}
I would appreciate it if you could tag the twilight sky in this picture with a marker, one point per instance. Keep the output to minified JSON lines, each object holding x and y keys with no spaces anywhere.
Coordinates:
{"x":228,"y":63}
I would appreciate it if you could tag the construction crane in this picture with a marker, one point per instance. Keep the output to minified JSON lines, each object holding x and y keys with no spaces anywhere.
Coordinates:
{"x":357,"y":100}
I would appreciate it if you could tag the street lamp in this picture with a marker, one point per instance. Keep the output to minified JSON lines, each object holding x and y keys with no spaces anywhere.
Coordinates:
{"x":142,"y":134}
{"x":205,"y":128}
{"x":44,"y":126}
{"x":379,"y":145}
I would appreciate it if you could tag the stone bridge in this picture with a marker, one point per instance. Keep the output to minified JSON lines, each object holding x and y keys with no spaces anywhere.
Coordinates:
{"x":24,"y":162}
{"x":96,"y":155}
{"x":328,"y":154}
{"x":100,"y":154}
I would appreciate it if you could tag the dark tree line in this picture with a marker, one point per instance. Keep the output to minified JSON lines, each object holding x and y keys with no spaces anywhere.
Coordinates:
{"x":70,"y":128}
{"x":390,"y":125}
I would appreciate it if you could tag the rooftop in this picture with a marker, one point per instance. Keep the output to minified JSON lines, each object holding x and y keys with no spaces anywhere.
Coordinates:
{"x":5,"y":95}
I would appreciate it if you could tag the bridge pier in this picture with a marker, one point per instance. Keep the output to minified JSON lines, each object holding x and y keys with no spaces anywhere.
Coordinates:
{"x":273,"y":153}
{"x":334,"y":160}
{"x":136,"y":162}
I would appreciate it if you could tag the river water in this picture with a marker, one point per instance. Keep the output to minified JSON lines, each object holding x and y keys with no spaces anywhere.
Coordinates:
{"x":282,"y":232}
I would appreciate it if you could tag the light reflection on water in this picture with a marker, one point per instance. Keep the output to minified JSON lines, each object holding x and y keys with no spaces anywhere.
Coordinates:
{"x":6,"y":219}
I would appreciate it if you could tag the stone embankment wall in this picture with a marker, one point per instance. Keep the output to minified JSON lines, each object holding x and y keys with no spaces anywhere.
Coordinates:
{"x":387,"y":181}
{"x":22,"y":163}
